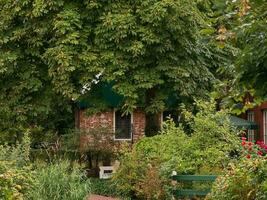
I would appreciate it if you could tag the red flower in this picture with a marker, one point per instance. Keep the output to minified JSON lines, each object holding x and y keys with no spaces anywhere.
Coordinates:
{"x":243,"y":143}
{"x":248,"y":156}
{"x":250,"y":143}
{"x":260,"y":153}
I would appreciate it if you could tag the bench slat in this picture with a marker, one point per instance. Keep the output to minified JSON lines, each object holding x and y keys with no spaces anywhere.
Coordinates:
{"x":194,"y":177}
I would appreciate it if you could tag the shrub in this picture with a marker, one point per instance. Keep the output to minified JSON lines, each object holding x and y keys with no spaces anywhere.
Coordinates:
{"x":59,"y":182}
{"x":94,"y":145}
{"x":14,"y":182}
{"x":15,"y":174}
{"x":145,"y":171}
{"x":245,"y":178}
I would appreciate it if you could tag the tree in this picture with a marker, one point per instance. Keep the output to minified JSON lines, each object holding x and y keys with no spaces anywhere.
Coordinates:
{"x":244,"y":29}
{"x":252,"y":40}
{"x":27,"y":98}
{"x":148,"y":50}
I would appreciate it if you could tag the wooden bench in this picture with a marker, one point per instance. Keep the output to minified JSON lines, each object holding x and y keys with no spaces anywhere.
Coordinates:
{"x":191,"y":178}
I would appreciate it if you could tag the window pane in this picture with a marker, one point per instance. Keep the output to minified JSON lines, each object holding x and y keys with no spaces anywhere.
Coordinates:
{"x":251,"y":136}
{"x":123,"y":128}
{"x":174,"y":115}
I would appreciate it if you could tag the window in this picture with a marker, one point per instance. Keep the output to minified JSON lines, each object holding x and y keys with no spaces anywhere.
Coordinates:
{"x":265,"y":126}
{"x":123,"y":126}
{"x":174,"y":115}
{"x":251,"y":133}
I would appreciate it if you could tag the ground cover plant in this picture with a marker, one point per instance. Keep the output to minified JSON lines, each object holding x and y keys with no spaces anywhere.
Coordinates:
{"x":209,"y":147}
{"x":21,"y":179}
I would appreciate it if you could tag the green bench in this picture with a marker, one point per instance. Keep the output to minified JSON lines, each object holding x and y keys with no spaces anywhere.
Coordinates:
{"x":191,"y":178}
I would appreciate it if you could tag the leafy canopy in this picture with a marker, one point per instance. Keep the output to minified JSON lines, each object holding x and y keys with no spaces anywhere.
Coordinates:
{"x":51,"y":49}
{"x":252,"y":38}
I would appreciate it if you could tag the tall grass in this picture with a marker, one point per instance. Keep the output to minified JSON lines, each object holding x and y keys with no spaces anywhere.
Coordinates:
{"x":59,"y":182}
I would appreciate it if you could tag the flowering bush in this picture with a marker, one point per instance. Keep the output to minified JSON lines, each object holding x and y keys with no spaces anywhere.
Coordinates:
{"x":245,"y":178}
{"x":252,"y":150}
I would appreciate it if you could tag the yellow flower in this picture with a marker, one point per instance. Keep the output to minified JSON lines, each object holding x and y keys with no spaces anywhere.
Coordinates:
{"x":18,"y":187}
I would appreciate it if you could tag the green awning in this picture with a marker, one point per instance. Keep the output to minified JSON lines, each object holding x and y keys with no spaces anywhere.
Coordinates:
{"x":242,"y":123}
{"x":104,"y":93}
{"x":100,"y":93}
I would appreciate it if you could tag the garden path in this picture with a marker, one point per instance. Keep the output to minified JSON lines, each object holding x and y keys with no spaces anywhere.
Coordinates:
{"x":97,"y":197}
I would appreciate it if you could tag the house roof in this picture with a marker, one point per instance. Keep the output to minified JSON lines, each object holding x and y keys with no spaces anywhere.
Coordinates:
{"x":242,"y":123}
{"x":103,"y":92}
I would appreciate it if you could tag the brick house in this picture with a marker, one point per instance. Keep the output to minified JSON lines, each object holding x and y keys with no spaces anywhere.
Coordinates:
{"x":258,"y":114}
{"x":125,"y":127}
{"x":131,"y":127}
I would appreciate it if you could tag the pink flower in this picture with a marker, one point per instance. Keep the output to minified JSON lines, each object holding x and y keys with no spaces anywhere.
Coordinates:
{"x":243,"y":138}
{"x":250,"y":143}
{"x":260,"y":153}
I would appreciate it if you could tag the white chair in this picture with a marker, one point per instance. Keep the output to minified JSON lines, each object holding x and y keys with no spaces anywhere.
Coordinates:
{"x":106,"y":172}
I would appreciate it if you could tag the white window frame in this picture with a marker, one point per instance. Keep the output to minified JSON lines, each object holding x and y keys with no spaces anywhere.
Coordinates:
{"x":251,"y":118}
{"x":114,"y":128}
{"x":264,"y":113}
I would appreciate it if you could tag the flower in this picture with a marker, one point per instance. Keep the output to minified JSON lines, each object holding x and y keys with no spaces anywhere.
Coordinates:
{"x":250,"y":144}
{"x":259,"y":142}
{"x":243,"y":143}
{"x":243,"y":138}
{"x":260,"y":153}
{"x":248,"y":156}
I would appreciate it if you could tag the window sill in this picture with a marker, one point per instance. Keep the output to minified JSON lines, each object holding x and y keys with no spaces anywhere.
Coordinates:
{"x":122,"y":139}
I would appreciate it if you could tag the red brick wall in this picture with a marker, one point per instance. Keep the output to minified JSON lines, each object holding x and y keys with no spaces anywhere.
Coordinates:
{"x":93,"y":121}
{"x":139,"y":123}
{"x":84,"y":121}
{"x":258,"y":118}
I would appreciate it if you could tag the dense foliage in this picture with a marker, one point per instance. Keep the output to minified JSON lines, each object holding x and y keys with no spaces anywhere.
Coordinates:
{"x":211,"y":145}
{"x":52,"y":51}
{"x":243,"y":27}
{"x":245,"y":178}
{"x":152,"y":53}
{"x":252,"y":40}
